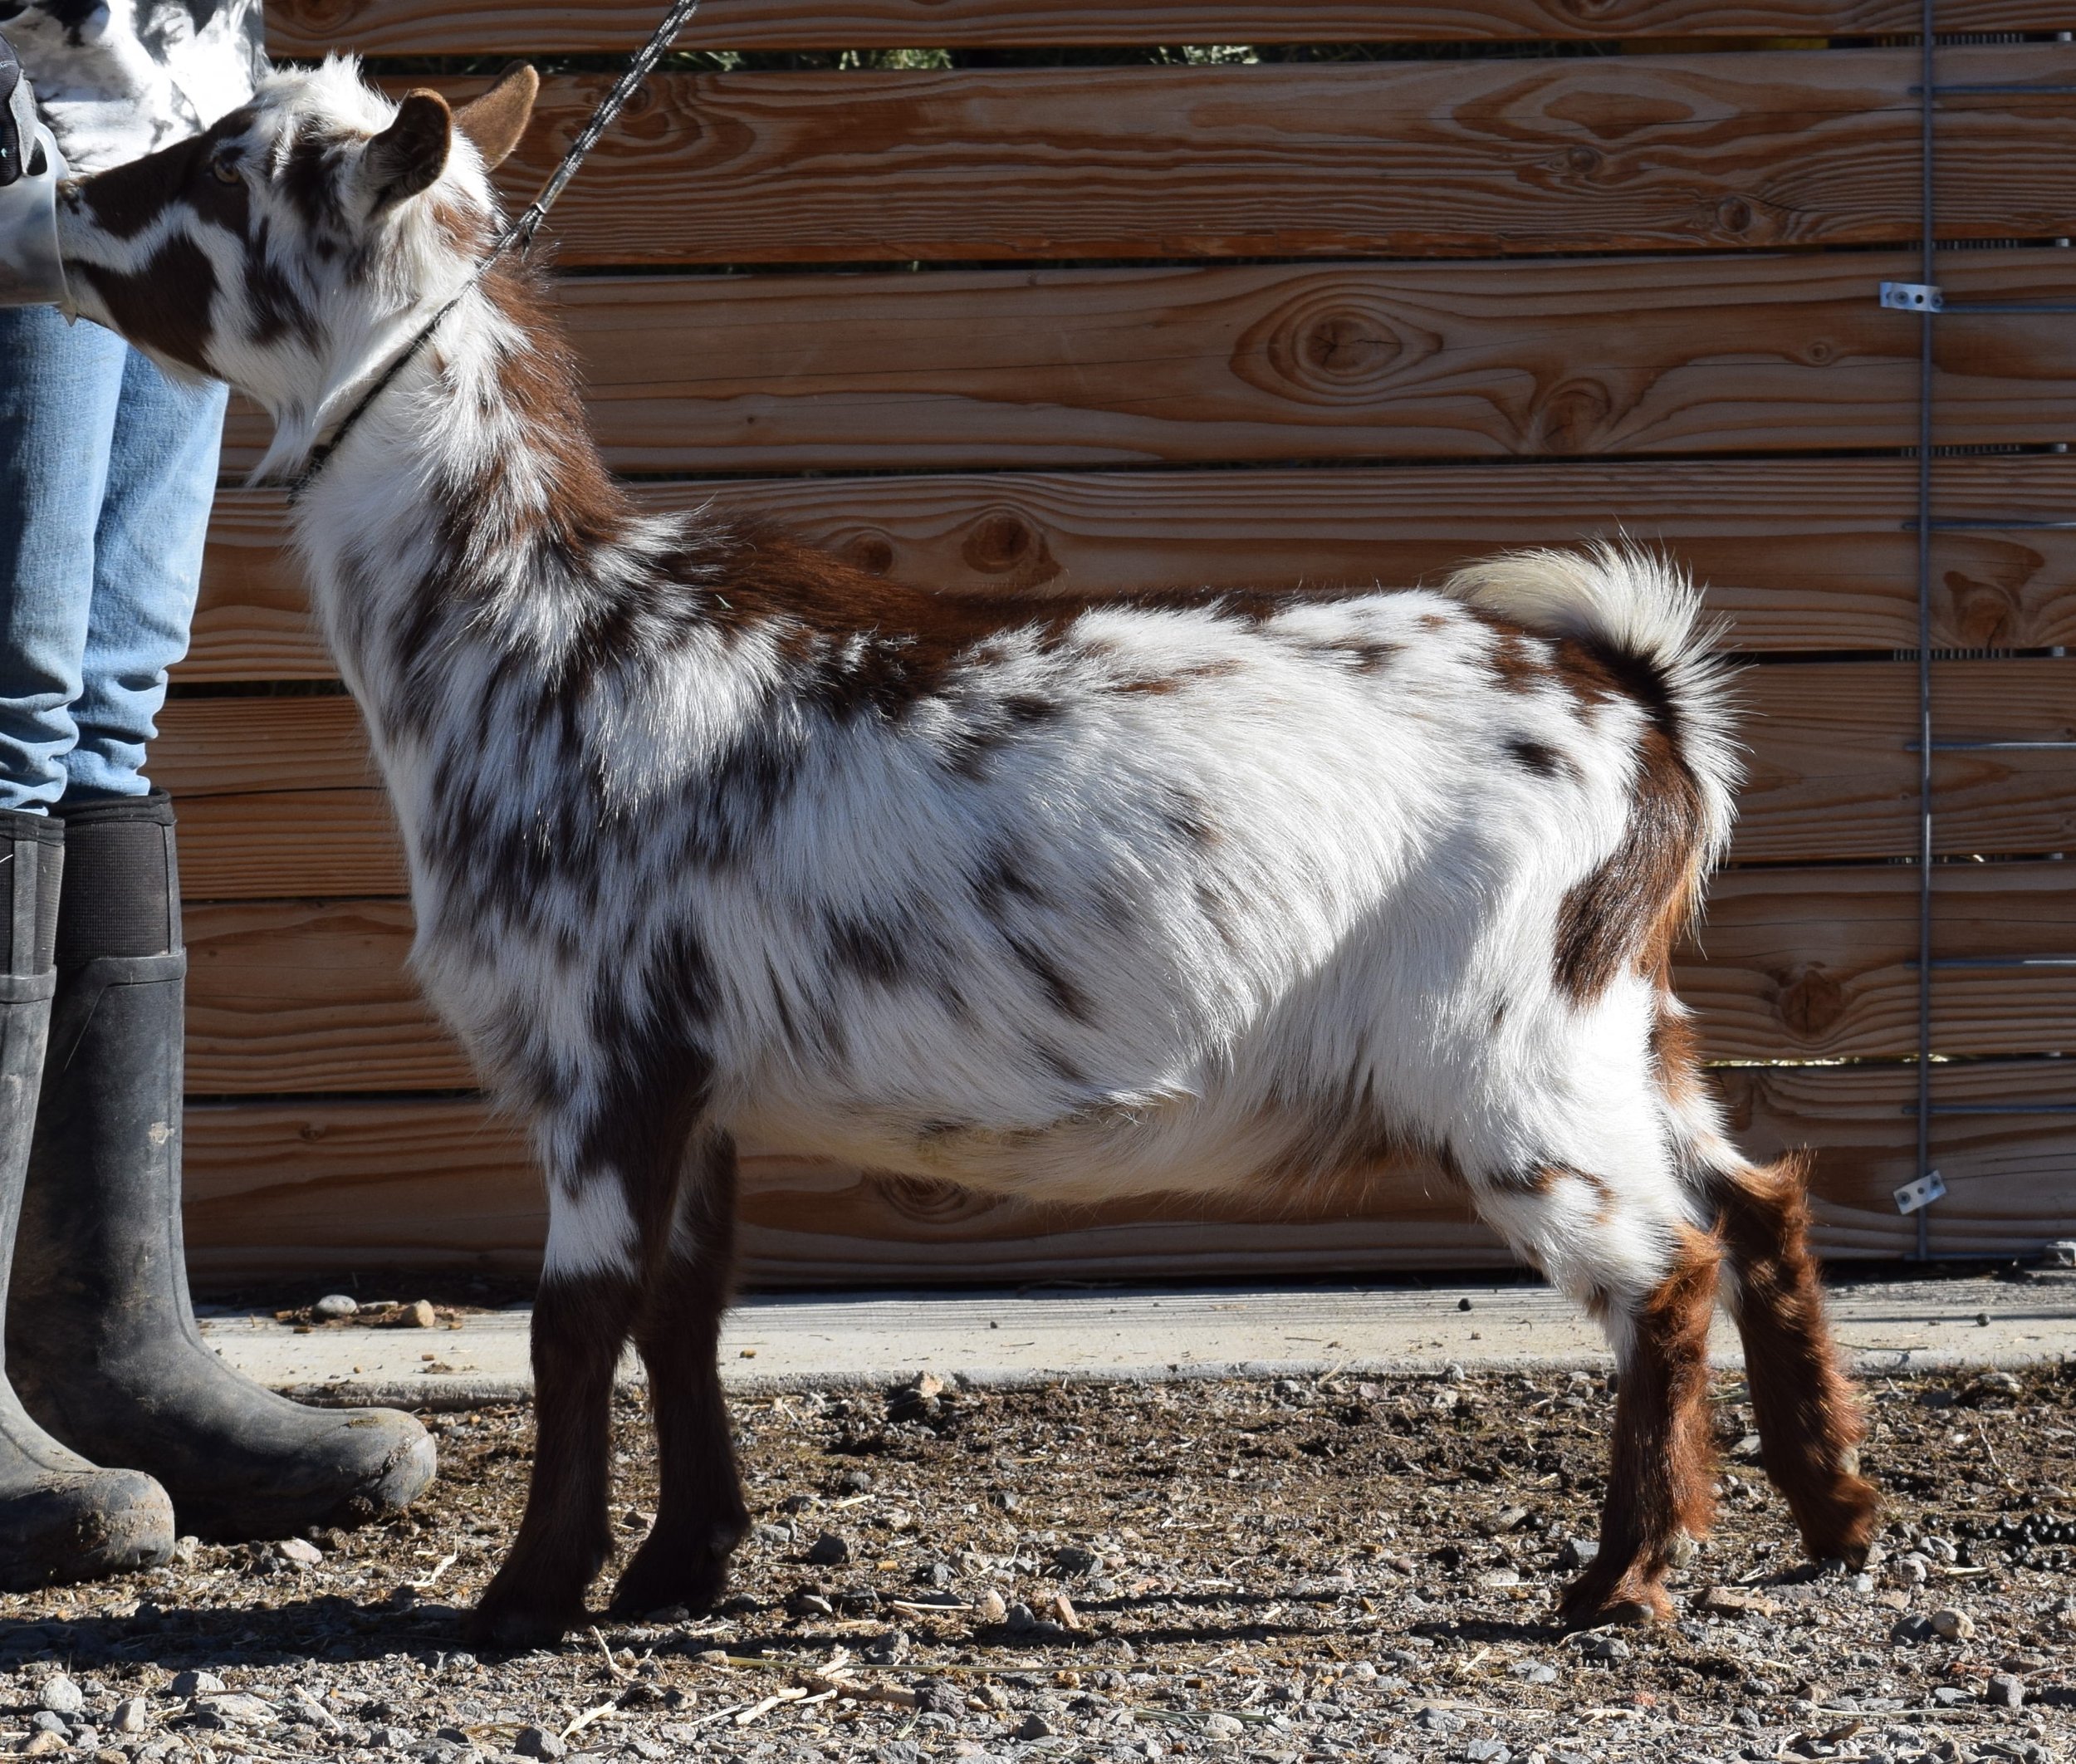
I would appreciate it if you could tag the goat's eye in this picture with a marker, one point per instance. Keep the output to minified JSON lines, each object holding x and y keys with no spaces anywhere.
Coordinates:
{"x":223,"y":168}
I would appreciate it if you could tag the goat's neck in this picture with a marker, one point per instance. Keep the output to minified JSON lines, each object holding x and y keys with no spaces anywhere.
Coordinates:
{"x":469,"y":520}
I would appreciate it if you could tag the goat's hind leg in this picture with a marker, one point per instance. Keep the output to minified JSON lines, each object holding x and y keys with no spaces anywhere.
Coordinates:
{"x":700,"y":1514}
{"x":1808,"y":1418}
{"x":1660,"y":1494}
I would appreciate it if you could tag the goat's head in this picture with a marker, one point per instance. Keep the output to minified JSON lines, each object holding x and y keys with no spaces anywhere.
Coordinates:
{"x":294,"y":248}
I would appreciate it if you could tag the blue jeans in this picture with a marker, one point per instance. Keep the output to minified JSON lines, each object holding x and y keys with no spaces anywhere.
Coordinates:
{"x":107,"y":469}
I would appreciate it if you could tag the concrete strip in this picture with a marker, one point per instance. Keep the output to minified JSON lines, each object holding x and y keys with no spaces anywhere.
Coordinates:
{"x":1005,"y":1339}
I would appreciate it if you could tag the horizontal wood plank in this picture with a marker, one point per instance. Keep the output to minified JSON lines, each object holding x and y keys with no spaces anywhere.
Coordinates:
{"x":1793,"y":964}
{"x":312,"y":27}
{"x":278,"y":796}
{"x":1817,"y":554}
{"x":963,"y":370}
{"x":1424,"y":158}
{"x":308,"y":1187}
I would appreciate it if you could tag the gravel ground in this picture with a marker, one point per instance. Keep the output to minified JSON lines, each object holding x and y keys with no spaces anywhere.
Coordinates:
{"x":1283,"y":1571}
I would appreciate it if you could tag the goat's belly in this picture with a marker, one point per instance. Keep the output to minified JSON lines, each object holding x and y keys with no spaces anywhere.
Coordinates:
{"x":1202,"y":1145}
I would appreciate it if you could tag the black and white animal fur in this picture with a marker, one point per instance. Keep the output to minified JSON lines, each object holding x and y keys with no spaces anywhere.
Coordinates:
{"x":710,"y":834}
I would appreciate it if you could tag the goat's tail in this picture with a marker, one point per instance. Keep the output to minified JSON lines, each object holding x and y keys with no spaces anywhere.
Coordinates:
{"x":1642,"y":612}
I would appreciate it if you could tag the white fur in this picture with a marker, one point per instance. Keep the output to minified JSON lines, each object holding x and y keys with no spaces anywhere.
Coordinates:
{"x":1355,"y":943}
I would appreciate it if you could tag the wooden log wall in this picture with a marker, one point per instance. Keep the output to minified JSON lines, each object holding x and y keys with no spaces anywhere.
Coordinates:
{"x":1537,"y":271}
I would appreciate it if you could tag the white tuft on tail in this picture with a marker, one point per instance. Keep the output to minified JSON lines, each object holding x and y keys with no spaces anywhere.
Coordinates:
{"x":1637,"y":604}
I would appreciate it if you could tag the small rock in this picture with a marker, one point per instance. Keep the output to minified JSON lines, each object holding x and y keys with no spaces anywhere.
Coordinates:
{"x":854,"y":1482}
{"x":420,"y":1315}
{"x":537,"y":1743}
{"x":1034,"y":1727}
{"x":1606,"y":1647}
{"x":2007,"y":1690}
{"x":889,"y":1650}
{"x":85,"y":1738}
{"x":1501,"y":1577}
{"x":989,"y":1607}
{"x":938,"y":1696}
{"x":133,"y":1715}
{"x":1911,"y":1627}
{"x":44,"y":1722}
{"x":299,"y":1550}
{"x":1577,"y":1552}
{"x":335,"y":1305}
{"x":183,"y":1552}
{"x":1488,"y":1751}
{"x":1735,"y":1601}
{"x":1020,"y":1617}
{"x":829,"y":1550}
{"x":60,"y":1695}
{"x":1950,"y":1696}
{"x":196,"y":1684}
{"x":241,"y":1709}
{"x":44,"y":1741}
{"x":1437,"y":1721}
{"x":1224,"y":1727}
{"x":387,"y":1739}
{"x":1075,"y":1559}
{"x":1952,"y":1625}
{"x":1509,"y":1521}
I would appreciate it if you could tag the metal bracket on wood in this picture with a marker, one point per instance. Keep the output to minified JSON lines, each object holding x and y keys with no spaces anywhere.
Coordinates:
{"x":1913,"y":297}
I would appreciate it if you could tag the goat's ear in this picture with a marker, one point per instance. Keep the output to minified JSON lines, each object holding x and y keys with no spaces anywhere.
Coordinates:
{"x":494,"y":122}
{"x":410,"y":154}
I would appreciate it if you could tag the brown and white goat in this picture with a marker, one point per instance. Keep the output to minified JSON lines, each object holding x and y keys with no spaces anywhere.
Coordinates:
{"x":710,"y":833}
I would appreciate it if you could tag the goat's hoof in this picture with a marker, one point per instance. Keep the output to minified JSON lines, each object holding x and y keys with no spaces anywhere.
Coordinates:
{"x":1840,"y":1527}
{"x":661,"y":1576}
{"x":1590,"y":1602}
{"x":511,"y":1624}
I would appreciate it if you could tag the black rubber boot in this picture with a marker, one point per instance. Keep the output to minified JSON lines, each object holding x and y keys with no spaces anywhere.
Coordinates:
{"x":102,"y":1343}
{"x":61,"y":1518}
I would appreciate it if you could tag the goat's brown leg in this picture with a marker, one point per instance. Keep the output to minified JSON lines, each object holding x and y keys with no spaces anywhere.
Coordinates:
{"x":1810,"y":1421}
{"x":1659,"y":1490}
{"x":700,"y":1514}
{"x":580,"y":1323}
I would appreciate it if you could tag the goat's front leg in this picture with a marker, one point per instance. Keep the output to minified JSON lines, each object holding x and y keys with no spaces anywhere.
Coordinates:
{"x":590,"y":1290}
{"x":700,"y":1514}
{"x":1659,"y":1493}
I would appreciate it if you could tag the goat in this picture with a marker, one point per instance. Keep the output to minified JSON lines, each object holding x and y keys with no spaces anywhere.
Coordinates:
{"x":711,"y":834}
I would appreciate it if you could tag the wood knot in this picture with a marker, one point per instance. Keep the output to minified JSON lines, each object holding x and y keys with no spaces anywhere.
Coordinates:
{"x":929,"y":1203}
{"x":1734,"y":215}
{"x":871,"y":552}
{"x":1003,"y":543}
{"x":1812,"y":1002}
{"x":1986,"y":616}
{"x":1330,"y":345}
{"x":1572,"y":418}
{"x":1583,"y":160}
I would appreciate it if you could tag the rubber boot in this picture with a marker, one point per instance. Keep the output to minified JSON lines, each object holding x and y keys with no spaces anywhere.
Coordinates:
{"x":102,"y":1342}
{"x":61,"y":1517}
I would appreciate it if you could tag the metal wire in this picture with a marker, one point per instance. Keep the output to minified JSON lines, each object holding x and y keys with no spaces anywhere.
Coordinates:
{"x":1925,"y":322}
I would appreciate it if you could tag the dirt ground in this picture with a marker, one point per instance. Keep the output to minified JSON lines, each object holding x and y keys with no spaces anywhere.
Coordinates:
{"x":1327,"y":1570}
